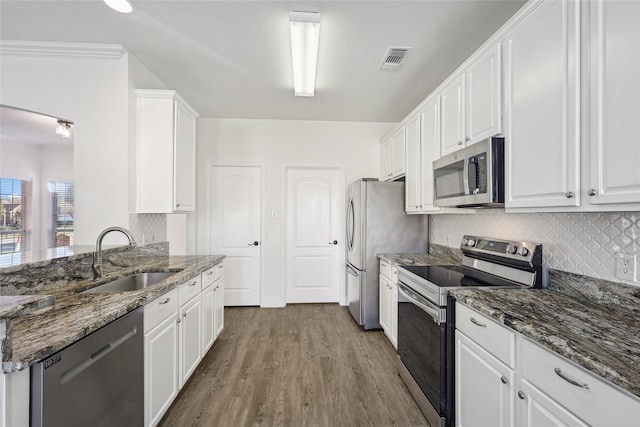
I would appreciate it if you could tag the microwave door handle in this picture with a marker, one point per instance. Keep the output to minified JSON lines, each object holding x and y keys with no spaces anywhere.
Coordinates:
{"x":465,"y":175}
{"x":472,"y":174}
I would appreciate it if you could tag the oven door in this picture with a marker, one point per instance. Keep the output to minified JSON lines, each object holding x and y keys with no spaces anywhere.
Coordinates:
{"x":422,"y":340}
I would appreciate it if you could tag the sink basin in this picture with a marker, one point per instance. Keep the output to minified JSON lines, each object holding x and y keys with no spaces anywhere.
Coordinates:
{"x":130,"y":283}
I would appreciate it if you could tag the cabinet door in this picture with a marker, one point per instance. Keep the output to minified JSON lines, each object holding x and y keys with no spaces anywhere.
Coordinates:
{"x":208,"y":318}
{"x":429,"y":149}
{"x":219,"y":307}
{"x":483,"y":387}
{"x":161,"y":376}
{"x":399,"y":147}
{"x":412,"y":177}
{"x":452,"y":116}
{"x":386,"y":161}
{"x":185,"y":160}
{"x":615,"y":97}
{"x":384,"y":304}
{"x":393,"y":313}
{"x":542,"y":101}
{"x":484,"y":96}
{"x":190,"y":338}
{"x":536,"y":409}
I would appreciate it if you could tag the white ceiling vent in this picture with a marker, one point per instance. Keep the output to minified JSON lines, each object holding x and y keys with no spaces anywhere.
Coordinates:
{"x":395,"y":58}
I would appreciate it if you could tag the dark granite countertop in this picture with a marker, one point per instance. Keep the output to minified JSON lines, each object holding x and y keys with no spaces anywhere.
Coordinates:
{"x":12,"y":306}
{"x":74,"y":315}
{"x":596,"y":337}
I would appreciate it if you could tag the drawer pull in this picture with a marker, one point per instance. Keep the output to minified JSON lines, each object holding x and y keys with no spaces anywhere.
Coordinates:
{"x":184,"y":314}
{"x":558,"y":372}
{"x":521,"y":395}
{"x":210,"y":273}
{"x":193,"y":284}
{"x":504,"y":379}
{"x":475,"y":322}
{"x":165,"y":301}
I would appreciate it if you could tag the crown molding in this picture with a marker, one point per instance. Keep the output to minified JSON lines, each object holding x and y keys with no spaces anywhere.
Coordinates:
{"x":61,"y":50}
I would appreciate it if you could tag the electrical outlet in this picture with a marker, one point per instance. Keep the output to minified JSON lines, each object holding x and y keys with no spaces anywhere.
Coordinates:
{"x":626,"y":267}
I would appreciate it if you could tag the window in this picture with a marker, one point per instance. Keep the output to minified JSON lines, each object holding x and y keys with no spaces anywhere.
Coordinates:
{"x":61,"y":220}
{"x":15,"y":216}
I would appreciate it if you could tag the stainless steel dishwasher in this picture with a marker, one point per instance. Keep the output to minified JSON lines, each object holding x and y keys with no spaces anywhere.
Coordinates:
{"x":97,"y":381}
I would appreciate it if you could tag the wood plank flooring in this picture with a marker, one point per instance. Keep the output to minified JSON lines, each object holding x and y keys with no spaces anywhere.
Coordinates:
{"x":302,"y":365}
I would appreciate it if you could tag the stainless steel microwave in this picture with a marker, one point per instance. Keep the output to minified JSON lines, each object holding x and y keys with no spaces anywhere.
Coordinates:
{"x":471,"y":177}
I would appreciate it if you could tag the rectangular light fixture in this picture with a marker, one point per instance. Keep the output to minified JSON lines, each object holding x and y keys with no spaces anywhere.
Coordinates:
{"x":305,"y":35}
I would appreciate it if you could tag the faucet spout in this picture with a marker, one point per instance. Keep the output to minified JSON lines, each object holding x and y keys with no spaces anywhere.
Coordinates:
{"x":96,"y":267}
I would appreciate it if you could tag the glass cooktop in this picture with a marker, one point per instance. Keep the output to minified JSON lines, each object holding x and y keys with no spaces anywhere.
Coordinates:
{"x":456,"y":276}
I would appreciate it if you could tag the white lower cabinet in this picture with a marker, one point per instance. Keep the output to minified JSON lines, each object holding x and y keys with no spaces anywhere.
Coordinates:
{"x":179,"y":328}
{"x":388,"y":305}
{"x":504,"y":379}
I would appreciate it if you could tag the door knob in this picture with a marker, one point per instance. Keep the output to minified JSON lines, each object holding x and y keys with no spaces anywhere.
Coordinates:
{"x":254,"y":243}
{"x":335,"y":242}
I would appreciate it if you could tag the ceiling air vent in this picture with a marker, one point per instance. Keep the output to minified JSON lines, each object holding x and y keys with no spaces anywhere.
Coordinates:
{"x":395,"y":57}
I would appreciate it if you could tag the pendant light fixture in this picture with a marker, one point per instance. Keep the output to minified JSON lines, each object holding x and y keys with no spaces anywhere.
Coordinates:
{"x":64,"y":128}
{"x":305,"y":37}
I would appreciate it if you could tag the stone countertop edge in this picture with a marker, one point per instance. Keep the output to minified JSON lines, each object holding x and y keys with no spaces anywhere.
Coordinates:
{"x":12,"y":306}
{"x":605,"y":342}
{"x":74,"y":315}
{"x":415,"y":259}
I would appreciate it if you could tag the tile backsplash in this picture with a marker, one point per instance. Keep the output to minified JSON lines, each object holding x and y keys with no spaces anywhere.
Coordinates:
{"x":582,"y":243}
{"x":148,"y":228}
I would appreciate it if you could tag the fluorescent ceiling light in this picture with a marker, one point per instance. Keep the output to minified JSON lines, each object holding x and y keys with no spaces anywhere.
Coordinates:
{"x":122,"y":6}
{"x":305,"y":35}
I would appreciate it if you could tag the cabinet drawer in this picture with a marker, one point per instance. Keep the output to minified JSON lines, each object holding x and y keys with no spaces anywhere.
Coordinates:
{"x":219,"y":271}
{"x":208,"y":277}
{"x":493,"y":337}
{"x":160,"y":309}
{"x":190,"y":289}
{"x":385,"y":269}
{"x":593,"y":399}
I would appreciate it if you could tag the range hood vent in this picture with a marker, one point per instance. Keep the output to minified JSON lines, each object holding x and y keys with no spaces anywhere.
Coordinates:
{"x":395,"y":57}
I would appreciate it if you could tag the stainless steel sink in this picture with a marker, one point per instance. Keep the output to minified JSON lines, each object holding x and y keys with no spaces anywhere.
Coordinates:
{"x":130,"y":283}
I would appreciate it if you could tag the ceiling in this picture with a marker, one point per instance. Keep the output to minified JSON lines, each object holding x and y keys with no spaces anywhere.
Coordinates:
{"x":231,"y":59}
{"x":24,"y":126}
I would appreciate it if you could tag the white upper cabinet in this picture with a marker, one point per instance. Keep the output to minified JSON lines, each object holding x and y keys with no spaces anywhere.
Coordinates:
{"x":542,"y":101}
{"x":471,"y":103}
{"x":392,"y":156}
{"x":165,"y":152}
{"x":412,"y":177}
{"x":615,"y":104}
{"x":429,"y":151}
{"x":452,"y":116}
{"x":484,"y":96}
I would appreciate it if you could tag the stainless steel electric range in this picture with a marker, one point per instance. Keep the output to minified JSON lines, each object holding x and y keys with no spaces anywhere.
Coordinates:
{"x":426,"y":323}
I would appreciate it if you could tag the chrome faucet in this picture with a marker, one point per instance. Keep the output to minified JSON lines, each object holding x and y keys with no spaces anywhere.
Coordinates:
{"x":97,"y":255}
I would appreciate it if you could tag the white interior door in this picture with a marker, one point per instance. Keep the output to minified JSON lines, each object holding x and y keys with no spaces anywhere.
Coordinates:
{"x":314,"y":243}
{"x":235,"y":230}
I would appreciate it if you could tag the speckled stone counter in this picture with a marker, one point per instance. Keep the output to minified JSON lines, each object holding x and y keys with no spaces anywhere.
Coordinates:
{"x":12,"y":306}
{"x":438,"y":255}
{"x":603,"y":341}
{"x":74,"y":315}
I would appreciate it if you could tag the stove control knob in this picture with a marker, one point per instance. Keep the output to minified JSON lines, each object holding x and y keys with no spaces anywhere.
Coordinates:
{"x":511,"y":249}
{"x":471,"y":242}
{"x":523,"y":251}
{"x":464,"y":242}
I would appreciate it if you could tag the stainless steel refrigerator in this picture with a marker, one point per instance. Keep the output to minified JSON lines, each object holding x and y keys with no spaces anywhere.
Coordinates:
{"x":377,"y":223}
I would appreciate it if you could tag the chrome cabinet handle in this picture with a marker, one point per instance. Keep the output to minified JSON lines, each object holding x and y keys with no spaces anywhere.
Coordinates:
{"x":192,"y":284}
{"x":521,"y":395}
{"x":178,"y":321}
{"x":459,"y":142}
{"x":569,"y":194}
{"x":467,"y":139}
{"x":592,"y":192}
{"x":475,"y":322}
{"x":220,"y":266}
{"x":209,"y":273}
{"x":503,"y":379}
{"x":558,"y":372}
{"x":184,"y":314}
{"x":165,"y":301}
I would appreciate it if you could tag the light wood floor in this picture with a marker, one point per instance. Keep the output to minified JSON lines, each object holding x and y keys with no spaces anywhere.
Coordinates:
{"x":302,"y":365}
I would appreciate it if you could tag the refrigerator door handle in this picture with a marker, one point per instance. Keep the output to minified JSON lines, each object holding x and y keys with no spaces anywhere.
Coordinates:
{"x":351,"y":225}
{"x":352,"y":271}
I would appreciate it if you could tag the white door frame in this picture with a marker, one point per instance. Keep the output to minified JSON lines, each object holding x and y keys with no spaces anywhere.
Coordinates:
{"x":260,"y":165}
{"x":342,"y":299}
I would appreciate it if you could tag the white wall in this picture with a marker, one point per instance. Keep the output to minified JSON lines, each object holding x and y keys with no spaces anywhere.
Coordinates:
{"x":92,"y":93}
{"x":273,"y":144}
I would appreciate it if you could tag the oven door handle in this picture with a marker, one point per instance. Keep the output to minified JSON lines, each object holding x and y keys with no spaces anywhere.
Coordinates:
{"x":424,"y":304}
